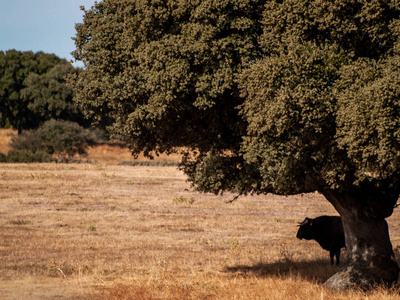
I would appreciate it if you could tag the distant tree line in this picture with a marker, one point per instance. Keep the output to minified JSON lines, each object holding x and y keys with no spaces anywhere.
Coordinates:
{"x":35,"y":100}
{"x":33,"y":90}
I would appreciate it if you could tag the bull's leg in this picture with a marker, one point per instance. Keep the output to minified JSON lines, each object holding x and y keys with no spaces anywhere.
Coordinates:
{"x":338,"y":257}
{"x":332,"y":254}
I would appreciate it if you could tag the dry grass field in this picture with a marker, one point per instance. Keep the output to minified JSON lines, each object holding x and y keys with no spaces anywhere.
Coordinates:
{"x":102,"y":231}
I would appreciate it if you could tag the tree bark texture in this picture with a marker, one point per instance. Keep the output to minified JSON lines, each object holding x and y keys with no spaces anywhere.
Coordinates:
{"x":368,"y":245}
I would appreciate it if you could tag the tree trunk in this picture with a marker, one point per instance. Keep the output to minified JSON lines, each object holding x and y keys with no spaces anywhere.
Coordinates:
{"x":368,"y":245}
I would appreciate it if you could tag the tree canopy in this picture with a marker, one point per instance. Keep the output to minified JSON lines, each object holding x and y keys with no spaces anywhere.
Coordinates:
{"x":266,"y":96}
{"x":322,"y":103}
{"x":168,"y":78}
{"x":33,"y":89}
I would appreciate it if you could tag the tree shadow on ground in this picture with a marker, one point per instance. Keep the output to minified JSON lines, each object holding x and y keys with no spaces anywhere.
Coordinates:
{"x":318,"y":270}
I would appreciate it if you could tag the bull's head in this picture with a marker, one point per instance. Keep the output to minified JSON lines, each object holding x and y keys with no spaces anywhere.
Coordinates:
{"x":304,"y":228}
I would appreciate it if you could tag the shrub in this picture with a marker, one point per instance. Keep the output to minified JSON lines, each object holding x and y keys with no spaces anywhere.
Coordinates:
{"x":27,"y":156}
{"x":63,"y":139}
{"x":27,"y":140}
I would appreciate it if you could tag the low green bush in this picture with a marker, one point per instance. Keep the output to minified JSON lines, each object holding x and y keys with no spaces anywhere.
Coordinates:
{"x":61,"y":139}
{"x":27,"y":156}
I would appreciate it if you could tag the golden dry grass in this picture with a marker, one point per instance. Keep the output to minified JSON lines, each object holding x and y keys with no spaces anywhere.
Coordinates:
{"x":113,"y":154}
{"x":97,"y":231}
{"x":5,"y":138}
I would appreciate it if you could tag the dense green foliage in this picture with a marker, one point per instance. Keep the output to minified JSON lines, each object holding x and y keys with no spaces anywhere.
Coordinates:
{"x":60,"y":139}
{"x":323,"y":105}
{"x":33,"y":89}
{"x":49,"y":97}
{"x":27,"y":156}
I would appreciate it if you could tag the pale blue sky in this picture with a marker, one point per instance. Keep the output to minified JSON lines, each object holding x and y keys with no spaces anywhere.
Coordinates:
{"x":41,"y":25}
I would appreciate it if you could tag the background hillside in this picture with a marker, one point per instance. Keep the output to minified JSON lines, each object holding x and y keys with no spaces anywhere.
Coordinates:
{"x":107,"y":153}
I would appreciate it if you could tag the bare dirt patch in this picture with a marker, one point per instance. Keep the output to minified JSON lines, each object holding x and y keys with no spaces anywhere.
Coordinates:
{"x":98,"y":231}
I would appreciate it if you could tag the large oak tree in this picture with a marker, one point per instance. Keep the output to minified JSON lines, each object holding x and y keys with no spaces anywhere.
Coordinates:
{"x":282,"y":97}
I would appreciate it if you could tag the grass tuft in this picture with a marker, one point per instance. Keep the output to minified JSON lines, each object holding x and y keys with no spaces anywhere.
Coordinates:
{"x":91,"y":228}
{"x":20,"y":222}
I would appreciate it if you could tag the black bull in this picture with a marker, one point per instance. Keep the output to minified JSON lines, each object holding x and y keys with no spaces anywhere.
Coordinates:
{"x":327,"y":231}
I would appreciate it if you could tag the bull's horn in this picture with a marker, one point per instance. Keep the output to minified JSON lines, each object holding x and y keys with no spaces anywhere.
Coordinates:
{"x":306,"y":221}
